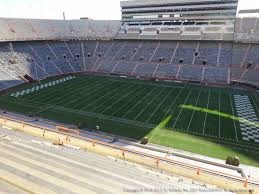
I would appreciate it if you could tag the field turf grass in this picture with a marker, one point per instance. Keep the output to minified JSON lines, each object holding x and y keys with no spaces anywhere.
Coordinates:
{"x":138,"y":108}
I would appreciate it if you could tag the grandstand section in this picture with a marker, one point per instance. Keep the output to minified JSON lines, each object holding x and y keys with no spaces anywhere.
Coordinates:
{"x":213,"y":62}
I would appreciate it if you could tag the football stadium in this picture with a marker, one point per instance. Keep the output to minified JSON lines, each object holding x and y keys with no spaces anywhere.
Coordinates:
{"x":173,"y":85}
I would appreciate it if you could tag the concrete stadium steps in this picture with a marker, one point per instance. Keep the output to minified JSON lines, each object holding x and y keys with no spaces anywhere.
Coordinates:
{"x":185,"y":52}
{"x":9,"y":188}
{"x":146,"y":51}
{"x":113,"y":51}
{"x":207,"y":52}
{"x":164,"y":52}
{"x":89,"y":48}
{"x":102,"y":48}
{"x":30,"y":164}
{"x":128,"y":50}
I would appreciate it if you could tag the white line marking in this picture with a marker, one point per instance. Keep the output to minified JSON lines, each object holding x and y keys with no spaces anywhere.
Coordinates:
{"x":113,"y":97}
{"x":148,"y":104}
{"x":94,"y":87}
{"x":181,"y":109}
{"x":193,"y":111}
{"x":172,"y":104}
{"x":139,"y":102}
{"x":125,"y":95}
{"x":159,"y":106}
{"x":132,"y":99}
{"x":38,"y":95}
{"x":69,"y":102}
{"x":90,"y":94}
{"x":205,"y":120}
{"x":233,"y":114}
{"x":101,"y":97}
{"x":219,"y":117}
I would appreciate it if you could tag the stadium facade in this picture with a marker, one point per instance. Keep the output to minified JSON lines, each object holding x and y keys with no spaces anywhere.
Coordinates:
{"x":175,"y":12}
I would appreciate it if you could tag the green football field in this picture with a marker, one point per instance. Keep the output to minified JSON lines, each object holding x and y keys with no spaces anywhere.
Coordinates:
{"x":194,"y":118}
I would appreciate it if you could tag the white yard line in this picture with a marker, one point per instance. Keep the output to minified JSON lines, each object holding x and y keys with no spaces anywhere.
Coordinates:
{"x":138,"y":102}
{"x":206,"y":114}
{"x":113,"y":97}
{"x":63,"y":96}
{"x":172,"y":103}
{"x":163,"y":131}
{"x":132,"y":99}
{"x":148,"y":104}
{"x":233,"y":114}
{"x":111,"y":91}
{"x":92,"y":89}
{"x":90,"y":94}
{"x":181,"y":109}
{"x":73,"y":92}
{"x":219,"y":116}
{"x":57,"y":87}
{"x":193,"y":111}
{"x":159,"y":105}
{"x":125,"y":95}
